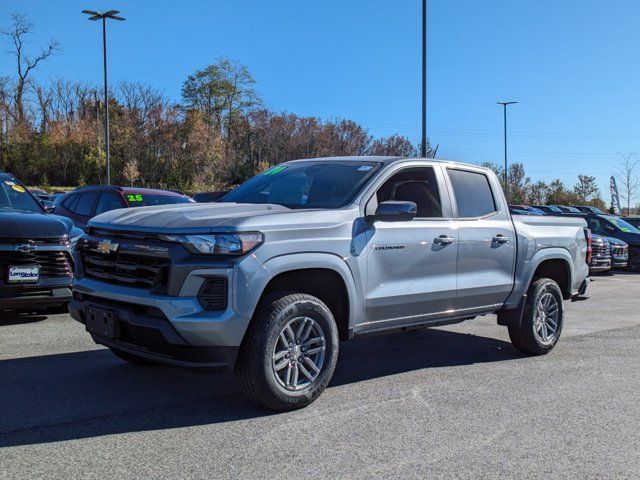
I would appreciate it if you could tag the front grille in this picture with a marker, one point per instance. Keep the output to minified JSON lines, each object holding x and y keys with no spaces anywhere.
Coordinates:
{"x":619,"y":251}
{"x":127,"y":269}
{"x":601,"y":250}
{"x":53,"y":264}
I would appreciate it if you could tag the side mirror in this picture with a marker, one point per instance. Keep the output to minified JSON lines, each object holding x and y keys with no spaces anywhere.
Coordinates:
{"x":47,"y":205}
{"x":394,"y":211}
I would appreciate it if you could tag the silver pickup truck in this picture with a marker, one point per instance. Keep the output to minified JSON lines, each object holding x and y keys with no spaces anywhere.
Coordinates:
{"x":268,"y":280}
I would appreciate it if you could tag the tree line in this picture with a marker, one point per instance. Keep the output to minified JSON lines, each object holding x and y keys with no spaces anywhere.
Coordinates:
{"x":220,"y":134}
{"x":522,"y":190}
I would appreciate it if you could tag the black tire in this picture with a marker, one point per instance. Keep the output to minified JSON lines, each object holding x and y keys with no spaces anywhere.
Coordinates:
{"x":633,"y":265}
{"x":255,"y":364}
{"x":524,"y":334}
{"x":133,"y":359}
{"x":58,"y":309}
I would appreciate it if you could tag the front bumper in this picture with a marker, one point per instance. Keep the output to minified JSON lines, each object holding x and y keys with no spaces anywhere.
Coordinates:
{"x":33,"y":298}
{"x":600,"y":265}
{"x":175,"y":330}
{"x":147,"y":332}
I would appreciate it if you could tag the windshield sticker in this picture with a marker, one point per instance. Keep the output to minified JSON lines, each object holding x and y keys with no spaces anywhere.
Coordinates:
{"x":135,"y":198}
{"x":18,"y":188}
{"x":276,"y":170}
{"x":625,"y":229}
{"x":364,"y":168}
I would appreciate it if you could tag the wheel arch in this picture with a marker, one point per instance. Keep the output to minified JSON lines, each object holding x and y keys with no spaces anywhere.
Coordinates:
{"x":324,"y":276}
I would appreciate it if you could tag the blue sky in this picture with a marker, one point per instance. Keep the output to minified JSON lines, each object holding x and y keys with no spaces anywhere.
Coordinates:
{"x":572,"y":65}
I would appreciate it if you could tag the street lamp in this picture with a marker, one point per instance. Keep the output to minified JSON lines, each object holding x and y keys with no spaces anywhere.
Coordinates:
{"x":112,"y":14}
{"x":424,"y":79}
{"x":506,"y":181}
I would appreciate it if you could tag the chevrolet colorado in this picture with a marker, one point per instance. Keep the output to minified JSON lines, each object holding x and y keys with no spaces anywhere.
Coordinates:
{"x":268,"y":280}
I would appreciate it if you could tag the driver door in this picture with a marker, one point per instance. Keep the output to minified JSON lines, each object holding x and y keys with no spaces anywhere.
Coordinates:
{"x":411,"y":265}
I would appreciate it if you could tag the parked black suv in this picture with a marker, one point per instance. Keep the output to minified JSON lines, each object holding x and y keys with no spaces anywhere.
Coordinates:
{"x":36,"y":251}
{"x":616,"y":227}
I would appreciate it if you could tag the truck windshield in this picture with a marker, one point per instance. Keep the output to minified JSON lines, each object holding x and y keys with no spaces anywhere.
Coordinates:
{"x":306,"y":184}
{"x":14,"y":196}
{"x":622,"y":225}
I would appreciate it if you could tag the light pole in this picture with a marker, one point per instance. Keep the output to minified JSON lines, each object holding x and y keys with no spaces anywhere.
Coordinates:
{"x":423,"y":151}
{"x":506,"y":178}
{"x":112,"y":14}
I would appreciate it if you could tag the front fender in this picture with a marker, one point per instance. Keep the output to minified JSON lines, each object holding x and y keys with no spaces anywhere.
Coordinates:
{"x":251,"y":279}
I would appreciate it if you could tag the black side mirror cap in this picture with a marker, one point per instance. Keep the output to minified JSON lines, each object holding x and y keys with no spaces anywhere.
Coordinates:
{"x":394,"y":211}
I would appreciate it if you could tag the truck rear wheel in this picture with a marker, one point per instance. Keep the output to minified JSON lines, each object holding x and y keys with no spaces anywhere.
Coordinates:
{"x":540,"y":327}
{"x":288,"y":356}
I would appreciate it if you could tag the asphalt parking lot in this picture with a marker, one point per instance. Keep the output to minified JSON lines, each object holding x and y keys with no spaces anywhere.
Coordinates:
{"x":447,"y":402}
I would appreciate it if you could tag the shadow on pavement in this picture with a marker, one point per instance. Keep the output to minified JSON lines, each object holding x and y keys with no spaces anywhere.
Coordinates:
{"x":87,"y":394}
{"x":12,"y":318}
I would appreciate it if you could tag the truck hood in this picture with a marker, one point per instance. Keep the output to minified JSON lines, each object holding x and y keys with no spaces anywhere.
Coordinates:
{"x":24,"y":225}
{"x":194,"y":217}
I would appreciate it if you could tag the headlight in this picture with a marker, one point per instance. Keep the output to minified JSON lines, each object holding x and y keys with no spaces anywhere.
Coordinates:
{"x":74,"y":236}
{"x":218,"y":244}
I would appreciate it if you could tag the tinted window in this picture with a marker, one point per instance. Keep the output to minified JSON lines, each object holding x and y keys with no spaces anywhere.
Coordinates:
{"x":70,"y":202}
{"x":416,"y":185}
{"x":473,"y":193}
{"x":622,"y":225}
{"x":107,"y":202}
{"x":86,"y":203}
{"x":594,"y":225}
{"x":322,"y":184}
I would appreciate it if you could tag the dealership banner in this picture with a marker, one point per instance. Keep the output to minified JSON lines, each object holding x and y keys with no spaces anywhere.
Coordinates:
{"x":615,"y":198}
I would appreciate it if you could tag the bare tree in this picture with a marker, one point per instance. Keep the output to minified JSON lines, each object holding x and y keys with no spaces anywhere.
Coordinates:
{"x":25,"y":63}
{"x":627,"y":175}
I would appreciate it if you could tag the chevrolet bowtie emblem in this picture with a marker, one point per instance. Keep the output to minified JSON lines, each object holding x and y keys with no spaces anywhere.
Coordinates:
{"x":26,"y":248}
{"x":106,"y":246}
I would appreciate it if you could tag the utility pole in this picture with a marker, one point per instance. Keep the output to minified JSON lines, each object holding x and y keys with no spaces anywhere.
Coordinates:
{"x":506,"y":166}
{"x":112,"y":14}
{"x":423,"y":151}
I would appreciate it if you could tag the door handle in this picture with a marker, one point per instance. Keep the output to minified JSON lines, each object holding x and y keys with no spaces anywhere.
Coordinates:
{"x":500,"y":239}
{"x":443,"y":240}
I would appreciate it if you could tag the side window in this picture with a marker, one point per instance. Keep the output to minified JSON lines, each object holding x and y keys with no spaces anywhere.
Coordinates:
{"x":107,"y":202}
{"x":473,"y":193}
{"x":417,"y":185}
{"x":70,"y":202}
{"x":594,"y":225}
{"x":85,"y":204}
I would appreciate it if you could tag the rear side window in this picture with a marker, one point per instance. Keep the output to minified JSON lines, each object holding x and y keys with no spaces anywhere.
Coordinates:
{"x":85,"y":204}
{"x":473,"y":193}
{"x":108,"y":202}
{"x":70,"y":202}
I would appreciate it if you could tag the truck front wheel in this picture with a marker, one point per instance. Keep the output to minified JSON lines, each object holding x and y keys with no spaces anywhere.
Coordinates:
{"x":540,"y":327}
{"x":289,"y":354}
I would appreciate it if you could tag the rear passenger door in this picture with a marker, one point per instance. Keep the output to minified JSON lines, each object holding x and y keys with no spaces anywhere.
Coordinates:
{"x":487,"y":243}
